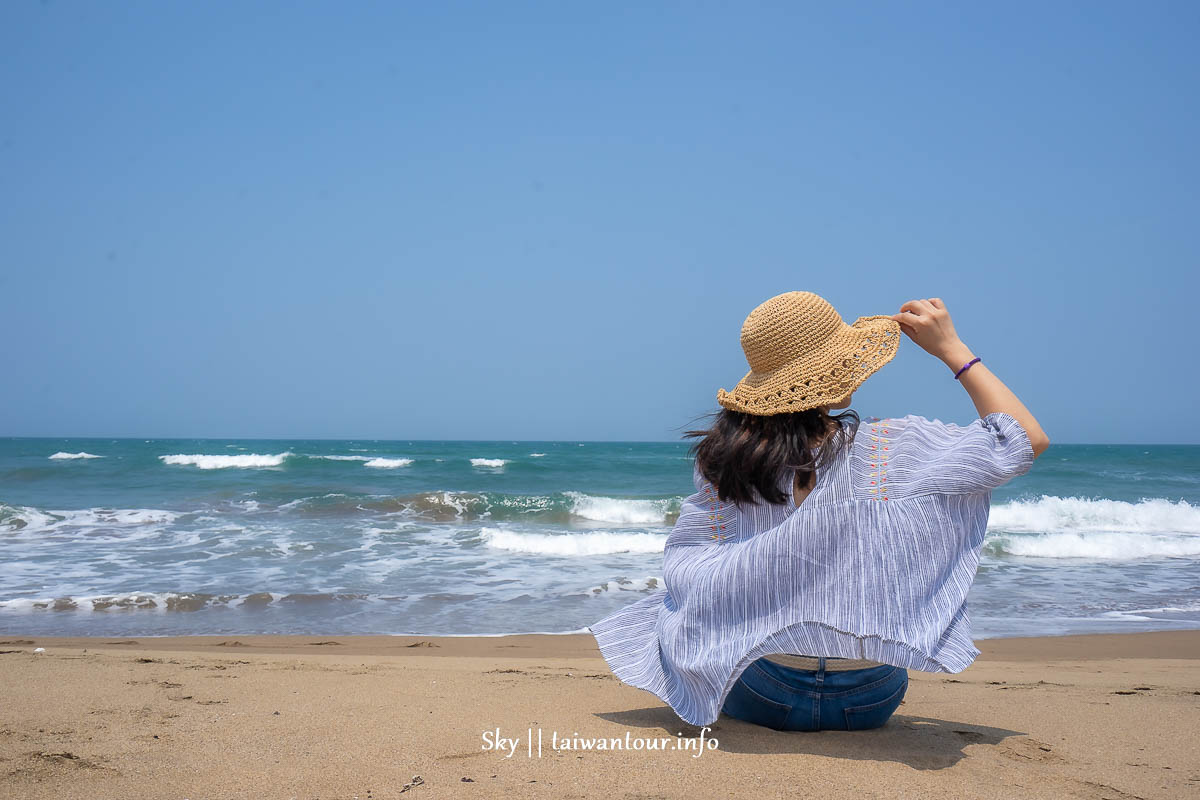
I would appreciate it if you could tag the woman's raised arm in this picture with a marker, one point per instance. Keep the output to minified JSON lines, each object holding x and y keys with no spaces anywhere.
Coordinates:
{"x":928,"y":323}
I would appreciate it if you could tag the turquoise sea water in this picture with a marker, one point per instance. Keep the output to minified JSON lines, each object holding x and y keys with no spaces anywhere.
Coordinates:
{"x":144,"y":537}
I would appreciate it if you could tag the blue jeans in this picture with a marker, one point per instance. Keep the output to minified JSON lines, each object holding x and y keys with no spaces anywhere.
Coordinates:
{"x":788,"y":699}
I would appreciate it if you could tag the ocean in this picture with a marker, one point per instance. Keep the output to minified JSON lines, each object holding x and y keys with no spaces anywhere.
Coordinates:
{"x":122,"y":537}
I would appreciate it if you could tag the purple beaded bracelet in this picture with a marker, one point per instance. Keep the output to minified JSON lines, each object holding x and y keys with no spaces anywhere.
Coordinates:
{"x":965,"y":367}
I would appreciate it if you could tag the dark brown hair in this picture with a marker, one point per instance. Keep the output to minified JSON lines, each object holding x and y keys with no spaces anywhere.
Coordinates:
{"x":746,"y":455}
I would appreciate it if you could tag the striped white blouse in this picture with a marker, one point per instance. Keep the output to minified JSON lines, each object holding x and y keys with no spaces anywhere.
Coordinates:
{"x":875,"y":563}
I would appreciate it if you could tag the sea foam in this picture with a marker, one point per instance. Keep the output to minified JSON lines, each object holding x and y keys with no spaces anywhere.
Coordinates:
{"x":70,"y":456}
{"x":574,"y":544}
{"x":25,"y":518}
{"x":648,"y":584}
{"x":139,"y":601}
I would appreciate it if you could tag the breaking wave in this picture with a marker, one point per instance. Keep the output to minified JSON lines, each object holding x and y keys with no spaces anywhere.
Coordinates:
{"x":1076,"y":527}
{"x":248,"y":461}
{"x":620,"y":510}
{"x":488,"y":462}
{"x":388,"y":463}
{"x":1049,"y":514}
{"x":1106,"y":546}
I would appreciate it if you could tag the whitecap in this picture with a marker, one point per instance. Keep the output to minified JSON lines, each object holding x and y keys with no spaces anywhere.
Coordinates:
{"x":388,"y":463}
{"x":247,"y":461}
{"x":488,"y":462}
{"x":70,"y":456}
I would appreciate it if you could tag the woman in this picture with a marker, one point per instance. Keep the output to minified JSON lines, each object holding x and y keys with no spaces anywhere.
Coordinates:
{"x":818,"y":561}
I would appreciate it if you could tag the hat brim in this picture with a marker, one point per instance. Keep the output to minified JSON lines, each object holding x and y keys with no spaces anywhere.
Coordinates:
{"x":826,"y":376}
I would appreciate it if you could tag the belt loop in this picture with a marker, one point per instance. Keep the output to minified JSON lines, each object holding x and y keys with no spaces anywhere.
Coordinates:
{"x":820,"y":671}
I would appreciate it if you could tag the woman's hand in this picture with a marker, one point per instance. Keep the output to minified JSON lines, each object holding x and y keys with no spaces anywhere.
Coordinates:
{"x":927,"y":322}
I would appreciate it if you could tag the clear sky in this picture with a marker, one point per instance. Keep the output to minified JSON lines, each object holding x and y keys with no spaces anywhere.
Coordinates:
{"x":548,"y":221}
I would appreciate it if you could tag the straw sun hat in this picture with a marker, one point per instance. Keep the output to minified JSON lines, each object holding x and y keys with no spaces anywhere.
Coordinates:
{"x":802,"y":355}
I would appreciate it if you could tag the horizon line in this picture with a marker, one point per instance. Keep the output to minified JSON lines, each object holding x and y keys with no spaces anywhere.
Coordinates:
{"x":339,"y":439}
{"x":509,"y":441}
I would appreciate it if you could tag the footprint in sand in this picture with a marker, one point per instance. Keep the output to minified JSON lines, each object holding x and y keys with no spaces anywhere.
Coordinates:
{"x":67,"y":757}
{"x":1028,"y":749}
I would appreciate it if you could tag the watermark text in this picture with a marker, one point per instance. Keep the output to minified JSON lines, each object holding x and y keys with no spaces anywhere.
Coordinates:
{"x":535,"y":741}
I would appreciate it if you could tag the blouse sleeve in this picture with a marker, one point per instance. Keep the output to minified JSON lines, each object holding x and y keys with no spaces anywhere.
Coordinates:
{"x":979,"y":457}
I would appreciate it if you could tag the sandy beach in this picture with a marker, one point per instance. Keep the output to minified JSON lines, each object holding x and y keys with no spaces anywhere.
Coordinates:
{"x":1090,"y":716}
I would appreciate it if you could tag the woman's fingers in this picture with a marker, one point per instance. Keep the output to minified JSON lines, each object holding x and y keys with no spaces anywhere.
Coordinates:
{"x":923,"y":308}
{"x":926,"y":307}
{"x":909,"y":322}
{"x":927,"y":322}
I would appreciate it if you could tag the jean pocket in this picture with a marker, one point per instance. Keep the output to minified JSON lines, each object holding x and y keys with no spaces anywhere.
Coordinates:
{"x":876,"y":714}
{"x":749,"y":706}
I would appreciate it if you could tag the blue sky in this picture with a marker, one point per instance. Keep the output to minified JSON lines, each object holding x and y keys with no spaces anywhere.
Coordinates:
{"x":544,"y":221}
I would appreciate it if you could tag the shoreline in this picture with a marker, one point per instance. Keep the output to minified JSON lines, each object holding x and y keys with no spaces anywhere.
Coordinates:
{"x":1183,"y":644}
{"x":266,"y":716}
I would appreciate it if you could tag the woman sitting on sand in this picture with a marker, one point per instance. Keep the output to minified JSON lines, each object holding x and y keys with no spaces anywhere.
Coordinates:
{"x":820,"y":560}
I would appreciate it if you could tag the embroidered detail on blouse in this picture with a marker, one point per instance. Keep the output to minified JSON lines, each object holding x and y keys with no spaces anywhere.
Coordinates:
{"x":879,"y":435}
{"x":717,"y":519}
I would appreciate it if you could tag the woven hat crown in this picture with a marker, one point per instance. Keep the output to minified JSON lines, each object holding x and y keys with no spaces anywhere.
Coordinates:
{"x":787,"y":327}
{"x":802,"y":355}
